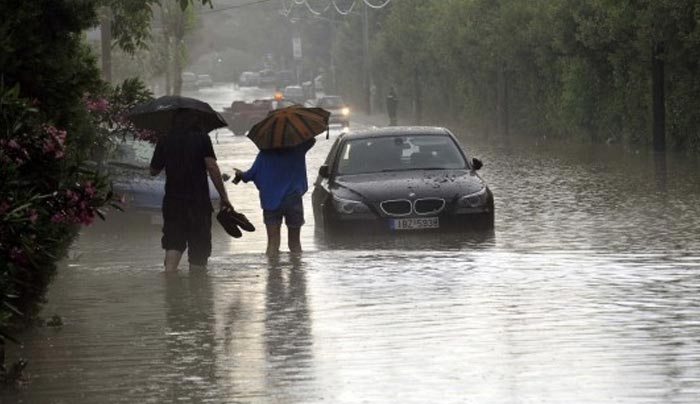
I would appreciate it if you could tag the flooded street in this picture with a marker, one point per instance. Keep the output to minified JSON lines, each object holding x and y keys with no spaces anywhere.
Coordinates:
{"x":587,"y":291}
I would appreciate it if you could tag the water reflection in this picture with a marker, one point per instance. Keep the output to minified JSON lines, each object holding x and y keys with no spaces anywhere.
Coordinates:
{"x":190,"y":369}
{"x":288,"y":336}
{"x":410,"y":241}
{"x":661,"y":171}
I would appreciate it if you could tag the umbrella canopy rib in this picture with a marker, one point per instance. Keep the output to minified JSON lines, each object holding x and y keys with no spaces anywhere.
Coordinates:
{"x":288,"y":127}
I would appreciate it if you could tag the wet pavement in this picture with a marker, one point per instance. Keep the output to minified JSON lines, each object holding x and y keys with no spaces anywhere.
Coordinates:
{"x":587,"y":291}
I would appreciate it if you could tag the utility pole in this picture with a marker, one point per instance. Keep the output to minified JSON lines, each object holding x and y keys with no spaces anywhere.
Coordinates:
{"x":365,"y":57}
{"x":106,"y":43}
{"x":333,"y":87}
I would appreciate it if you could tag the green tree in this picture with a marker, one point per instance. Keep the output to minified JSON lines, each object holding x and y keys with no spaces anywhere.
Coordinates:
{"x":55,"y":112}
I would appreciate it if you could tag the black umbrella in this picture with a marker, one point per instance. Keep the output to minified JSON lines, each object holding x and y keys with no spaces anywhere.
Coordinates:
{"x":161,"y":114}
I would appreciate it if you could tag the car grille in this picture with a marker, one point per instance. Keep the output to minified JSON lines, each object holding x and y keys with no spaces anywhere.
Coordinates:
{"x":427,"y":206}
{"x":401,"y":207}
{"x":404,"y":207}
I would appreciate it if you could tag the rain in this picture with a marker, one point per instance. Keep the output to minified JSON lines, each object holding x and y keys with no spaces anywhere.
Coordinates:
{"x":526,"y":231}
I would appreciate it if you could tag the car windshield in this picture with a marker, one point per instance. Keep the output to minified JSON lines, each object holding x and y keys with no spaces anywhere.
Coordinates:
{"x":399,"y":153}
{"x":330,"y":102}
{"x":293,"y":91}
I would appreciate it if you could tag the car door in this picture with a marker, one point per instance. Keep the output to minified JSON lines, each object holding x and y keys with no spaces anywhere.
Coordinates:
{"x":321,"y":194}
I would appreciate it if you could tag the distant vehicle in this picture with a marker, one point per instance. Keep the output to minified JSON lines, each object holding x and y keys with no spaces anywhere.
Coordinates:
{"x":340,"y":113}
{"x":189,"y":81}
{"x":204,"y":80}
{"x":241,"y":115}
{"x":284,"y":78}
{"x":398,"y":179}
{"x":268,"y":78}
{"x":294,"y":94}
{"x":318,"y":83}
{"x":249,"y":79}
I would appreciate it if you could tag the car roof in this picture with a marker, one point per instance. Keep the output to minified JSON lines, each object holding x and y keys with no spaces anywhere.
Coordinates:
{"x":397,"y":131}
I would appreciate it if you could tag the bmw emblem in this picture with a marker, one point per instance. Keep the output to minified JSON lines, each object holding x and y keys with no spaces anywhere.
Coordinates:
{"x":411,"y":194}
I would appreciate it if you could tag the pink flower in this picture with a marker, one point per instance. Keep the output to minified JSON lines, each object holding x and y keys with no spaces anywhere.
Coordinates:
{"x":86,"y":218}
{"x":48,"y":146}
{"x":99,"y":105}
{"x":89,"y":188}
{"x":17,"y":255}
{"x":13,"y":144}
{"x":60,"y":137}
{"x":33,"y":216}
{"x":58,"y":217}
{"x":72,"y":196}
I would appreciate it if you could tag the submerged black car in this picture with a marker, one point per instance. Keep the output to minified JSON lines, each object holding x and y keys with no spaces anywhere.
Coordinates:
{"x":400,"y":179}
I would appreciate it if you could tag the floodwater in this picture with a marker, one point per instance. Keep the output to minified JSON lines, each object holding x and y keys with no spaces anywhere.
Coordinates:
{"x":588,"y":291}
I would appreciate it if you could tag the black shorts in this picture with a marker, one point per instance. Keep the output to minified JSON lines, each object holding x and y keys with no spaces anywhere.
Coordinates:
{"x":187,"y":226}
{"x":291,"y":209}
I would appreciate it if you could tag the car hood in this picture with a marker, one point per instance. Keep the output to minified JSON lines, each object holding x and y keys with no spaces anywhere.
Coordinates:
{"x":408,"y":184}
{"x":335,"y":110}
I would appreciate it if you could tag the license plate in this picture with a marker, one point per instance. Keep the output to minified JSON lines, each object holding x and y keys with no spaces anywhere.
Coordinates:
{"x":415,"y":223}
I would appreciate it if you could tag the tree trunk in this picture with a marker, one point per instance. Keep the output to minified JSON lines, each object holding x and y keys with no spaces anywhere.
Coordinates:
{"x":166,"y":52}
{"x":366,"y":74}
{"x":106,"y":43}
{"x":417,"y":98}
{"x":177,"y":67}
{"x":503,"y":125}
{"x":658,"y":97}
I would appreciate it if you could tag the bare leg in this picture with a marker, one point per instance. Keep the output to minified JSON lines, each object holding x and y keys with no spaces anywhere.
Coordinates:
{"x":172,"y":260}
{"x":273,"y":238}
{"x":294,"y":239}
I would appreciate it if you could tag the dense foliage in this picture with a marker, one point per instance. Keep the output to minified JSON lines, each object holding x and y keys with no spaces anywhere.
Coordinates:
{"x":566,"y":68}
{"x":56,"y":118}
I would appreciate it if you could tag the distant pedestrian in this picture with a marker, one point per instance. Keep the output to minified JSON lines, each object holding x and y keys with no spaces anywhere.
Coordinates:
{"x":187,"y":155}
{"x":392,"y":104}
{"x":280,"y":176}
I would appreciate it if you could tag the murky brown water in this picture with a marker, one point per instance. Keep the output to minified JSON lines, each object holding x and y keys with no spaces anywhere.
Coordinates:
{"x":588,"y":291}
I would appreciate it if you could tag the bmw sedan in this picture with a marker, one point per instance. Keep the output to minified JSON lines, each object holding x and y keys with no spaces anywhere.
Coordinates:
{"x":400,"y":179}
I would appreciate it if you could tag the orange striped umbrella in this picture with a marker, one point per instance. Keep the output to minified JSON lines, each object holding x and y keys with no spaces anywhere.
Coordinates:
{"x":288,"y":127}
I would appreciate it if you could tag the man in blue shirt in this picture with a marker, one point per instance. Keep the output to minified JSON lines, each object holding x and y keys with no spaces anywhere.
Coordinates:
{"x":280,"y":176}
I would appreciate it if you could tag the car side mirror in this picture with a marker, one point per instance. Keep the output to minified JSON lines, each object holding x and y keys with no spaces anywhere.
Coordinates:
{"x":476,"y":163}
{"x":323,"y":171}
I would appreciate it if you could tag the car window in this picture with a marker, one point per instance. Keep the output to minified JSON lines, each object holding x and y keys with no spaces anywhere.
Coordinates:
{"x":435,"y":152}
{"x":293,"y":91}
{"x":397,"y":153}
{"x":330,"y":102}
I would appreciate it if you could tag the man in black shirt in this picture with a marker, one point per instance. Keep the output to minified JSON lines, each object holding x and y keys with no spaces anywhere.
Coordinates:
{"x":187,"y":156}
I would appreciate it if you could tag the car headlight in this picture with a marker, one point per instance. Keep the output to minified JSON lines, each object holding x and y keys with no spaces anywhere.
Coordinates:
{"x":474,"y":200}
{"x":345,"y":111}
{"x":348,"y":207}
